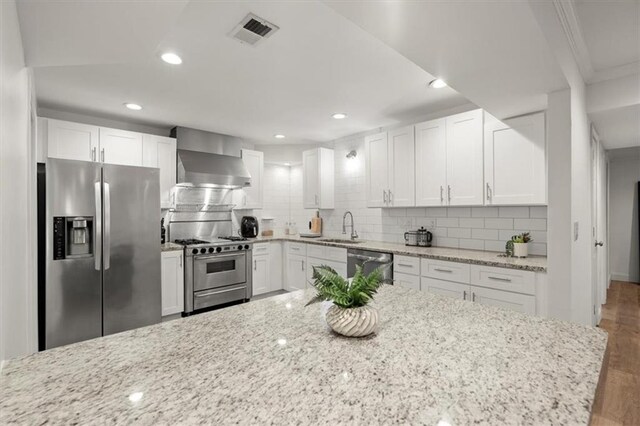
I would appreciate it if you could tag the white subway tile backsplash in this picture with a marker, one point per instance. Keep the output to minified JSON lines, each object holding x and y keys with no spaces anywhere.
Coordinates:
{"x":459,"y":232}
{"x":484,"y":212}
{"x":472,"y":222}
{"x":513,"y":212}
{"x":471,"y":244}
{"x":530,"y":224}
{"x":484,"y":234}
{"x":494,"y":245}
{"x":436,"y":211}
{"x":538,"y":249}
{"x":397,"y":212}
{"x":447,"y":242}
{"x":447,"y":222}
{"x":538,"y":212}
{"x":498,"y":223}
{"x":459,"y":211}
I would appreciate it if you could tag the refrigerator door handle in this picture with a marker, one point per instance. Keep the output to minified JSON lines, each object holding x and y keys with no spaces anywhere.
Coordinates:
{"x":107,"y":226}
{"x":97,"y":242}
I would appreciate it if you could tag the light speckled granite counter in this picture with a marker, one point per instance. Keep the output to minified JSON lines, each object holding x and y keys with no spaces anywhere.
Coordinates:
{"x":276,"y":362}
{"x":478,"y":257}
{"x":170,"y":247}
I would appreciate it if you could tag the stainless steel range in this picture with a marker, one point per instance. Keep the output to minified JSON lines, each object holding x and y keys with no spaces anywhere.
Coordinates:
{"x":217,"y":266}
{"x":217,"y":271}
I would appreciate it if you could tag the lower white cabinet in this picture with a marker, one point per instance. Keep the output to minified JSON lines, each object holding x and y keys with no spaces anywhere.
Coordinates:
{"x":504,"y":299}
{"x":444,"y":288}
{"x":339,"y":267}
{"x":172,"y":282}
{"x":406,"y":280}
{"x":261,"y":273}
{"x":296,"y":272}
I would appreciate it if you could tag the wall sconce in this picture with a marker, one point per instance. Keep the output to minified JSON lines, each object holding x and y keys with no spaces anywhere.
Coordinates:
{"x":352,"y":154}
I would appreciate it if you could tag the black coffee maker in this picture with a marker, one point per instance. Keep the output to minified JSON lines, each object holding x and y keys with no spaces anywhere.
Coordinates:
{"x":249,"y":227}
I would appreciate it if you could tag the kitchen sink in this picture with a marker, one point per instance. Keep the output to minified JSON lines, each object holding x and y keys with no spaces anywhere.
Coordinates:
{"x":340,"y":240}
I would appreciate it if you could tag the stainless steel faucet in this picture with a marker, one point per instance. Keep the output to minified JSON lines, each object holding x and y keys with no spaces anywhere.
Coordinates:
{"x":354,"y":234}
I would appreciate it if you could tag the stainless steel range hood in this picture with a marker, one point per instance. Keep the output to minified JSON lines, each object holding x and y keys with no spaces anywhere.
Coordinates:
{"x":203,"y":160}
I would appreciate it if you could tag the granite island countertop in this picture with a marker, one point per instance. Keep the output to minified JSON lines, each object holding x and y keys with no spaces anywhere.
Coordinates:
{"x":476,"y":257}
{"x":275,"y":361}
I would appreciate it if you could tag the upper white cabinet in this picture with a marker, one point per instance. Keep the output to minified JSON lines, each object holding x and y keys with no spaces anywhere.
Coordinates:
{"x":318,"y":178}
{"x":160,"y":152}
{"x":464,"y":158}
{"x":431,"y":163}
{"x":252,"y":196}
{"x":390,"y":168}
{"x":515,"y":160}
{"x":120,"y":147}
{"x":72,"y":141}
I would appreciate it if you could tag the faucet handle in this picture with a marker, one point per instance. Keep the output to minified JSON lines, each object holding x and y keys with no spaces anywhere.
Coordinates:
{"x":354,"y":235}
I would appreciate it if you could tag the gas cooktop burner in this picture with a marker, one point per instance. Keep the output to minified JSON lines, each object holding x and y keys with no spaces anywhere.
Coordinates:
{"x":233,"y":238}
{"x":190,"y":241}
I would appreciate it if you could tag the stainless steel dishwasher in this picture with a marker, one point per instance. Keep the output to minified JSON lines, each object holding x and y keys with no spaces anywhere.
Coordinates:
{"x":369,"y":260}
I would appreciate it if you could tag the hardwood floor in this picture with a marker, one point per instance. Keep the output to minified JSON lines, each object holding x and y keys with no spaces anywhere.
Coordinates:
{"x":618,"y":396}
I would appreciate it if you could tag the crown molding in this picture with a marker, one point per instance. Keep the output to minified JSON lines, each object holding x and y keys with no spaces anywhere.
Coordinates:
{"x":571,"y":28}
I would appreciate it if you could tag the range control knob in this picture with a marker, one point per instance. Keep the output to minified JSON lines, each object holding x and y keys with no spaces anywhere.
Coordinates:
{"x":218,"y":249}
{"x":246,"y":247}
{"x":194,"y":251}
{"x":210,"y":249}
{"x":203,"y":250}
{"x":239,"y":247}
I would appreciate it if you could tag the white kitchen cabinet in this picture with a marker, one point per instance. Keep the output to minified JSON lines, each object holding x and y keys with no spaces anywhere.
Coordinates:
{"x":253,"y":196}
{"x":172,"y":279}
{"x":465,"y":175}
{"x":515,"y":160}
{"x":318,"y":178}
{"x":296,"y":272}
{"x":431,"y":163}
{"x":377,"y":169}
{"x":160,"y":152}
{"x":120,"y":147}
{"x":72,"y":141}
{"x":401,"y":157}
{"x":444,"y":288}
{"x":339,"y":267}
{"x":503,"y":299}
{"x":261,"y":273}
{"x":406,"y":280}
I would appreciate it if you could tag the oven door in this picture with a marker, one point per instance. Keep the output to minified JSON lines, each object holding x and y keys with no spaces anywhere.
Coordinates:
{"x":219,"y":270}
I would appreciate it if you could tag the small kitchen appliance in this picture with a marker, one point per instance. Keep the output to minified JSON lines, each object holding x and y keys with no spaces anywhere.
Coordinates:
{"x":249,"y":227}
{"x":420,"y":237}
{"x":315,"y":227}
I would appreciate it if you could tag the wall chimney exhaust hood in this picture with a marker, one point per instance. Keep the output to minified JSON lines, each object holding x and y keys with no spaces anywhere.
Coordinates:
{"x":210,"y":160}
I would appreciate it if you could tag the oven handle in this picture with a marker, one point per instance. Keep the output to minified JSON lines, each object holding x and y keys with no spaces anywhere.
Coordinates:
{"x":211,"y":293}
{"x":218,"y":256}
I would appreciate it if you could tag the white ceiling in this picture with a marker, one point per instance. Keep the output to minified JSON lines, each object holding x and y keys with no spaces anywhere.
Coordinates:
{"x":91,"y":57}
{"x":493,"y":52}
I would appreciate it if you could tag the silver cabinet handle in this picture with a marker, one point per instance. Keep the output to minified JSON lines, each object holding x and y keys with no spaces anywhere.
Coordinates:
{"x":97,"y":243}
{"x":473,"y":296}
{"x":449,"y":192}
{"x":384,"y":196}
{"x":464,"y":295}
{"x":107,"y":226}
{"x":390,"y":198}
{"x":599,"y":243}
{"x":315,"y":198}
{"x":406,"y":265}
{"x":255,"y":265}
{"x":180,"y":261}
{"x":442,"y":270}
{"x":102,"y":155}
{"x":506,"y":280}
{"x":93,"y":154}
{"x":441,"y":194}
{"x":488,"y":191}
{"x":302,"y":264}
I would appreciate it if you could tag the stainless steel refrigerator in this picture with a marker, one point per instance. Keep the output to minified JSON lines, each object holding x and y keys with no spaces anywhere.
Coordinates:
{"x":101,"y":273}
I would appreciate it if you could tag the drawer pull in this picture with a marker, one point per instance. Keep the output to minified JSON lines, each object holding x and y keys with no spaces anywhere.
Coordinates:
{"x":406,"y":265}
{"x":473,"y":296}
{"x":442,"y":270}
{"x":506,"y":280}
{"x":464,"y":295}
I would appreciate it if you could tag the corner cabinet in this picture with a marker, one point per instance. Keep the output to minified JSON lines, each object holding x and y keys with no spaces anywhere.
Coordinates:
{"x":390,"y":168}
{"x":515,"y":160}
{"x":318,"y":178}
{"x":252,"y":197}
{"x":160,"y":152}
{"x":172,"y":282}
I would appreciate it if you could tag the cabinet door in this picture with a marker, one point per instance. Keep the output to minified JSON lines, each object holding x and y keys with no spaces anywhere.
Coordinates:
{"x":260,"y":274}
{"x":310,"y":179}
{"x":504,"y":299}
{"x":339,"y":267}
{"x":377,"y":173}
{"x":431,"y":163}
{"x":296,"y":273}
{"x":445,"y":288}
{"x":406,"y":280}
{"x":326,"y":176}
{"x":254,"y":160}
{"x":465,"y":179}
{"x":120,"y":147}
{"x":72,"y":141}
{"x":172,"y":283}
{"x":402,"y":178}
{"x":515,"y":161}
{"x":160,"y":152}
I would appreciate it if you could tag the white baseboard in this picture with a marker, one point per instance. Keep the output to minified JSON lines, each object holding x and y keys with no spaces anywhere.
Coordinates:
{"x":619,"y":277}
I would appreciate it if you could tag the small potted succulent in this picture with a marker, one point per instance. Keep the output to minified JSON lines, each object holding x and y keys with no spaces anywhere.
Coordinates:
{"x":517,"y":246}
{"x":350,"y":314}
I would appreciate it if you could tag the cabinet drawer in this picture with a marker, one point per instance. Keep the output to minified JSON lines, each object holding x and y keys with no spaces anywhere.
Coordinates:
{"x":450,"y":271}
{"x":504,"y":299}
{"x":260,"y":249}
{"x":406,"y":265}
{"x":406,"y":280}
{"x":299,"y":249}
{"x":336,"y":254}
{"x":514,"y":280}
{"x":316,"y":251}
{"x":445,"y":288}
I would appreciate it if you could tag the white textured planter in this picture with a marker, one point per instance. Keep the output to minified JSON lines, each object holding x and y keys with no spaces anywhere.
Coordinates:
{"x":520,"y":249}
{"x":353,"y":322}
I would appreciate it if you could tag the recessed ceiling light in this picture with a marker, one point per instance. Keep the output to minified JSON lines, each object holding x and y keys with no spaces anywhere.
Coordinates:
{"x":437,"y":83}
{"x":339,"y":115}
{"x":278,"y":136}
{"x":134,"y":107}
{"x":287,"y":164}
{"x":171,"y":58}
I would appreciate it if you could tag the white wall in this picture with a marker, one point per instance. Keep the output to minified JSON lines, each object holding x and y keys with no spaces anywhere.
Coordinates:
{"x":17,"y":180}
{"x":624,"y":175}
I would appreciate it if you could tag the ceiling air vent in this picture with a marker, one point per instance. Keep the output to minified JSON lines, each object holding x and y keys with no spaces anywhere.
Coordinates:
{"x":252,"y":30}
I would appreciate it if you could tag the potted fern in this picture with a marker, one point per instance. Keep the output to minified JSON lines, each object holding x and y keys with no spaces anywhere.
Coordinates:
{"x":519,"y":245}
{"x":350,"y":314}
